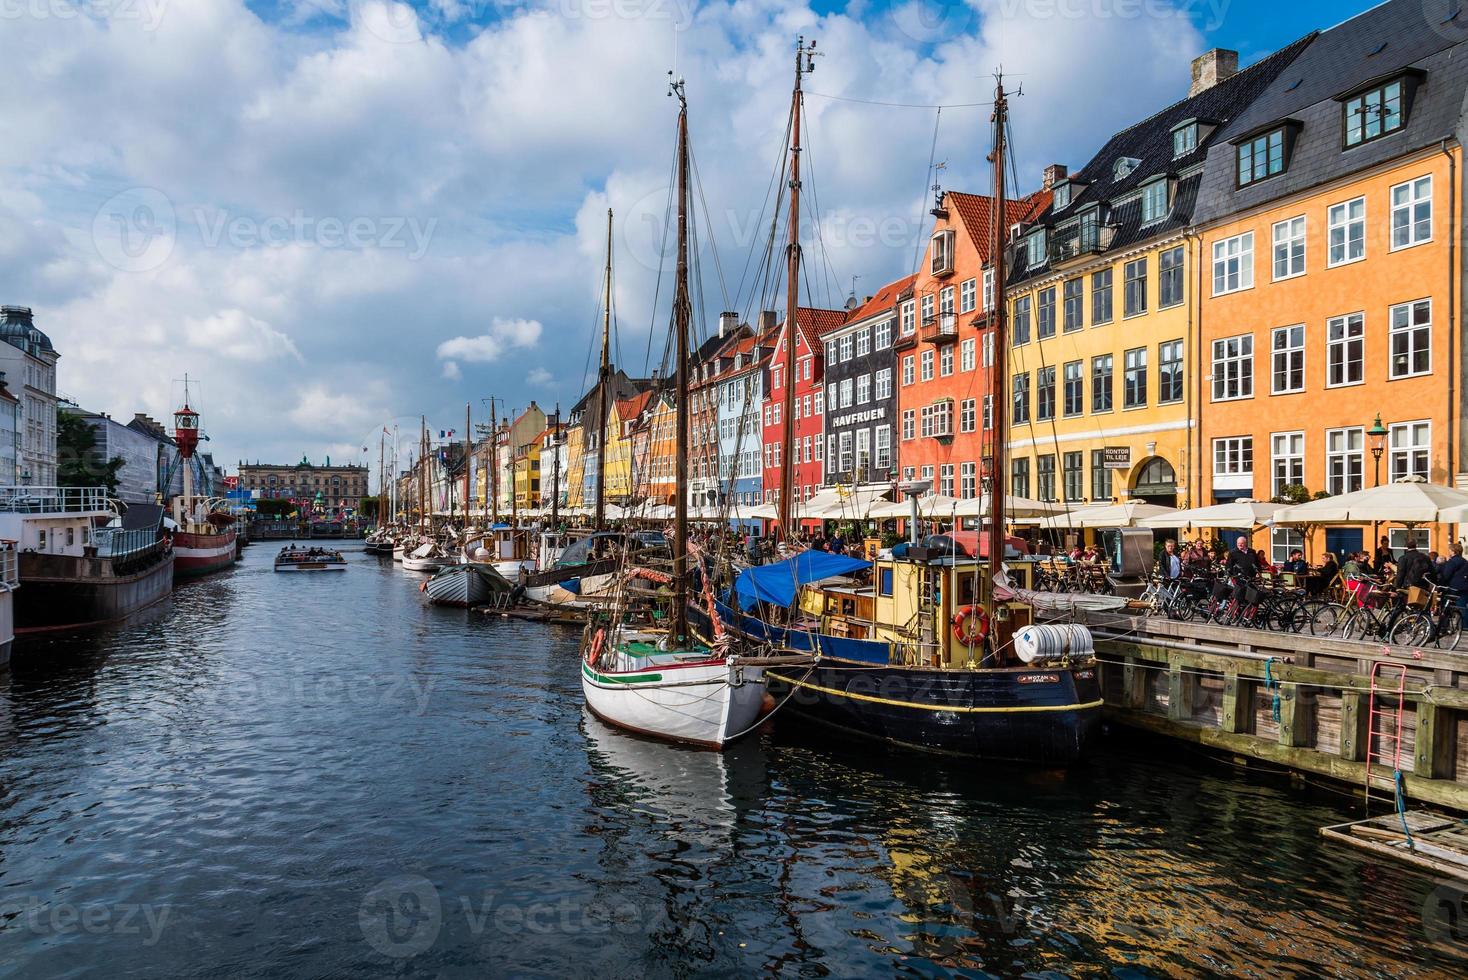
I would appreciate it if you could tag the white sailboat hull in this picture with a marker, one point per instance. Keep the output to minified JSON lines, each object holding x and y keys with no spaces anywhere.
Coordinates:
{"x":432,"y":564}
{"x":707,"y":703}
{"x":459,"y":585}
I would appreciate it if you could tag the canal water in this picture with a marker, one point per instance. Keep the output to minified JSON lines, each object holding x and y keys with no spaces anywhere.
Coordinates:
{"x":318,"y":776}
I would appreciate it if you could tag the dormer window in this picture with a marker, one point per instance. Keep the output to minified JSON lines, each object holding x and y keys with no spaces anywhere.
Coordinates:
{"x":1264,"y":153}
{"x":1124,"y":167}
{"x":1155,"y":200}
{"x":1035,"y":249}
{"x":941,"y":251}
{"x":1374,"y":113}
{"x":1061,"y":194}
{"x":1184,"y":138}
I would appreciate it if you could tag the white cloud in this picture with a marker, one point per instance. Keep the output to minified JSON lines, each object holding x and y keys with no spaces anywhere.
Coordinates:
{"x":235,"y":334}
{"x":451,"y":370}
{"x":503,"y":335}
{"x":539,"y":377}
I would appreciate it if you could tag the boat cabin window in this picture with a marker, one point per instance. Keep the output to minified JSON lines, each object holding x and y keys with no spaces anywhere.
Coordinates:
{"x":965,"y":589}
{"x":884,"y":582}
{"x":70,"y":536}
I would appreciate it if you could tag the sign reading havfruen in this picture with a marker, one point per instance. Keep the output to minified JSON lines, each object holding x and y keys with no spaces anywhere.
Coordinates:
{"x":1118,"y":457}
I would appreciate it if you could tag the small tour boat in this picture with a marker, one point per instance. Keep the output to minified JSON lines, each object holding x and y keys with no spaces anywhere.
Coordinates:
{"x":294,"y":558}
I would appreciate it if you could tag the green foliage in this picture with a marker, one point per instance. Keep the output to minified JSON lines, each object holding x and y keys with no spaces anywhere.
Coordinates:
{"x":77,"y":462}
{"x":1292,"y":493}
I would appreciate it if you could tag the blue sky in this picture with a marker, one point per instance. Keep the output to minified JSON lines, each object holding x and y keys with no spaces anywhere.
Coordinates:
{"x":340,"y":215}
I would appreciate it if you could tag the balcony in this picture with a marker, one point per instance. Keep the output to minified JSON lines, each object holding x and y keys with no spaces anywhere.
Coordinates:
{"x":53,"y":500}
{"x":1092,"y":241}
{"x":940,"y":329}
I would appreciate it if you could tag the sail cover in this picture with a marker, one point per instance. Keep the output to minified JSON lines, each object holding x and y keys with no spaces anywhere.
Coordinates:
{"x":777,"y":584}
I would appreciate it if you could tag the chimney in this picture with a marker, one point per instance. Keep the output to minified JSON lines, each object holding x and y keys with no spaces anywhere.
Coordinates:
{"x":1054,"y":174}
{"x":728,"y":323}
{"x":767,"y":320}
{"x":1212,"y":67}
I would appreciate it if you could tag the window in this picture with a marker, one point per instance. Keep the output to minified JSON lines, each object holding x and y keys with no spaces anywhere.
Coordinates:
{"x":945,"y":300}
{"x":945,"y":362}
{"x":845,"y":394}
{"x":937,"y":419}
{"x":1134,"y":378}
{"x":1412,"y":213}
{"x":1373,"y":113}
{"x":1233,"y":264}
{"x":883,"y":458}
{"x":968,"y":295}
{"x":1021,"y":321}
{"x":1124,"y":167}
{"x":1100,"y":476}
{"x":1233,"y":368}
{"x":863,"y":343}
{"x":909,"y":424}
{"x":1075,"y":304}
{"x":1410,"y":444}
{"x":1020,"y":412}
{"x":1288,"y":450}
{"x":1346,"y":230}
{"x":1100,"y":297}
{"x":1233,"y":456}
{"x":942,"y":254}
{"x":863,"y":389}
{"x":1045,"y":393}
{"x":1170,"y":371}
{"x":1035,"y":249}
{"x":1074,"y":394}
{"x":1170,"y":278}
{"x":988,"y":348}
{"x":1287,"y":359}
{"x":1184,"y":140}
{"x":968,"y":486}
{"x":1101,"y":383}
{"x":988,"y":412}
{"x":1061,"y":196}
{"x":1154,"y":201}
{"x":927,"y":308}
{"x":882,"y":335}
{"x":883,"y":385}
{"x":968,"y":350}
{"x":967,"y":415}
{"x":945,"y":479}
{"x":1345,"y":349}
{"x":1345,"y":460}
{"x":843,"y":463}
{"x":908,"y":319}
{"x":1045,"y":314}
{"x":927,"y":363}
{"x":1261,"y":157}
{"x":988,"y":290}
{"x":863,"y":452}
{"x":1411,"y":339}
{"x":1045,"y":476}
{"x":1075,"y":475}
{"x":1135,"y":294}
{"x":1283,"y":542}
{"x":1019,"y":477}
{"x":907,"y":370}
{"x":1289,"y":248}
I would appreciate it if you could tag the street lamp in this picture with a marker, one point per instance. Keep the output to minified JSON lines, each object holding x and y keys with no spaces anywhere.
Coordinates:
{"x":1377,"y":432}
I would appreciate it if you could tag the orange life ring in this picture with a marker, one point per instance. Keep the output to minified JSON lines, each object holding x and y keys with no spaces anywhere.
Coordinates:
{"x":962,"y":631}
{"x":598,"y":639}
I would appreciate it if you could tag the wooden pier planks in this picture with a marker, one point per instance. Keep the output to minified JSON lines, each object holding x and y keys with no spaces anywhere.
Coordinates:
{"x":1439,"y":844}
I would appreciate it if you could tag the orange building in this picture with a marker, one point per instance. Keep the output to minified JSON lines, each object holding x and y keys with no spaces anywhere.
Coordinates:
{"x":945,"y":346}
{"x":1329,"y":222}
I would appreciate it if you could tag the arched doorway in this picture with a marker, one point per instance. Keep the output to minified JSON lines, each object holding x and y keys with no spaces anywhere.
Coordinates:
{"x":1155,"y":483}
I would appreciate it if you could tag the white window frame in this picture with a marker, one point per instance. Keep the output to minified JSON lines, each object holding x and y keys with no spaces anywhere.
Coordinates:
{"x":968,"y":295}
{"x":1342,"y":448}
{"x":988,"y":290}
{"x":907,"y":370}
{"x":908,"y":318}
{"x":1287,"y":450}
{"x":1410,"y":454}
{"x":967,"y":415}
{"x":1230,"y":470}
{"x":863,"y":389}
{"x":909,"y":424}
{"x":882,"y":449}
{"x":863,"y":342}
{"x":1233,"y":257}
{"x":1346,"y":323}
{"x":1338,"y":219}
{"x":882,"y":335}
{"x":1418,"y":200}
{"x":1291,"y":243}
{"x":846,"y":345}
{"x":945,"y":361}
{"x":882,"y":387}
{"x":1242,"y":357}
{"x":1409,"y":330}
{"x":1292,"y":351}
{"x":967,"y":354}
{"x":925,"y":366}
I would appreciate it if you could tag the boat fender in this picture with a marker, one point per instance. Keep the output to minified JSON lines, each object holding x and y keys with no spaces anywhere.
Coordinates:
{"x":967,"y":633}
{"x":1052,"y":641}
{"x":597,"y":640}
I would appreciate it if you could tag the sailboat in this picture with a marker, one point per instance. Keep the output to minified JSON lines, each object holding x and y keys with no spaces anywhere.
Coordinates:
{"x":654,"y":680}
{"x":939,"y":652}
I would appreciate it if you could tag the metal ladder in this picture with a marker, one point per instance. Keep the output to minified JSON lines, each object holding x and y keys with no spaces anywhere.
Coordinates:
{"x":1385,"y":725}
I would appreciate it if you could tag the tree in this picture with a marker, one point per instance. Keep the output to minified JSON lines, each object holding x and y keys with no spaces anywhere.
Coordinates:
{"x":77,"y":461}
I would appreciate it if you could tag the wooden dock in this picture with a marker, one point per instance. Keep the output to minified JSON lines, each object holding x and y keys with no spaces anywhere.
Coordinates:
{"x":1437,"y":843}
{"x":1296,"y":702}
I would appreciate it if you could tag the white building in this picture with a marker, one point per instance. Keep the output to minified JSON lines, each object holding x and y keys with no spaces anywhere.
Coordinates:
{"x":29,"y":363}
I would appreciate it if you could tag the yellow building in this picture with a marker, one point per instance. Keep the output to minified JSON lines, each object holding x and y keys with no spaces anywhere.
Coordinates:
{"x":1103,"y":300}
{"x":575,"y":475}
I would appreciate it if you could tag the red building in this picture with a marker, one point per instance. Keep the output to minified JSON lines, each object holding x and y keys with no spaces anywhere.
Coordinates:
{"x":809,"y":449}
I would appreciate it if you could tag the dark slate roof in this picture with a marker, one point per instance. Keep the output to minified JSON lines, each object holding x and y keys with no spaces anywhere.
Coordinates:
{"x":1150,"y":142}
{"x":1416,"y":34}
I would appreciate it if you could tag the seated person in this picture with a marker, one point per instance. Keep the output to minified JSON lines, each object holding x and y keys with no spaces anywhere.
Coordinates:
{"x":1297,"y":564}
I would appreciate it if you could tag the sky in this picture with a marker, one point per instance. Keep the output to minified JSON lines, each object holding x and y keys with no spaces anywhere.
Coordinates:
{"x":337,"y":216}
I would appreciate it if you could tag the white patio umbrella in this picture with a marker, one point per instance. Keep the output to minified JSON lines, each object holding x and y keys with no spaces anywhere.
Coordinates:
{"x":1106,"y":515}
{"x":1410,"y":500}
{"x":930,"y":506}
{"x":1014,"y":507}
{"x":767,"y":512}
{"x":1235,"y":513}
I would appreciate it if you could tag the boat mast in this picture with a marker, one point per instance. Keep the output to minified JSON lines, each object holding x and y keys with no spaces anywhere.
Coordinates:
{"x":1001,"y":339}
{"x":556,"y":470}
{"x":381,"y":479}
{"x":468,"y":450}
{"x":681,"y":311}
{"x":514,"y":472}
{"x":423,"y":518}
{"x":604,"y":379}
{"x":804,"y":61}
{"x":494,"y":462}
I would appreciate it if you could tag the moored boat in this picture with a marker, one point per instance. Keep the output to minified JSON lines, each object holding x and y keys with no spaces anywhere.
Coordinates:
{"x":204,"y":538}
{"x":294,"y":558}
{"x":426,"y":557}
{"x":465,"y":585}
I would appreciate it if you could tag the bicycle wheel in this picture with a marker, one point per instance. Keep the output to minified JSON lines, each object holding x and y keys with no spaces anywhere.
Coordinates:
{"x":1411,"y":630}
{"x":1357,"y":625}
{"x":1450,"y":629}
{"x":1325,"y":618}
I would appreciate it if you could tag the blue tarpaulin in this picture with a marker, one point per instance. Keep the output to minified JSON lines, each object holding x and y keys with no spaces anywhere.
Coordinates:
{"x":778,"y":583}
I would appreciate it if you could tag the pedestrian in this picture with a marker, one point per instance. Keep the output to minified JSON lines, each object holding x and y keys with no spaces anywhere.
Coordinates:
{"x":1384,"y":557}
